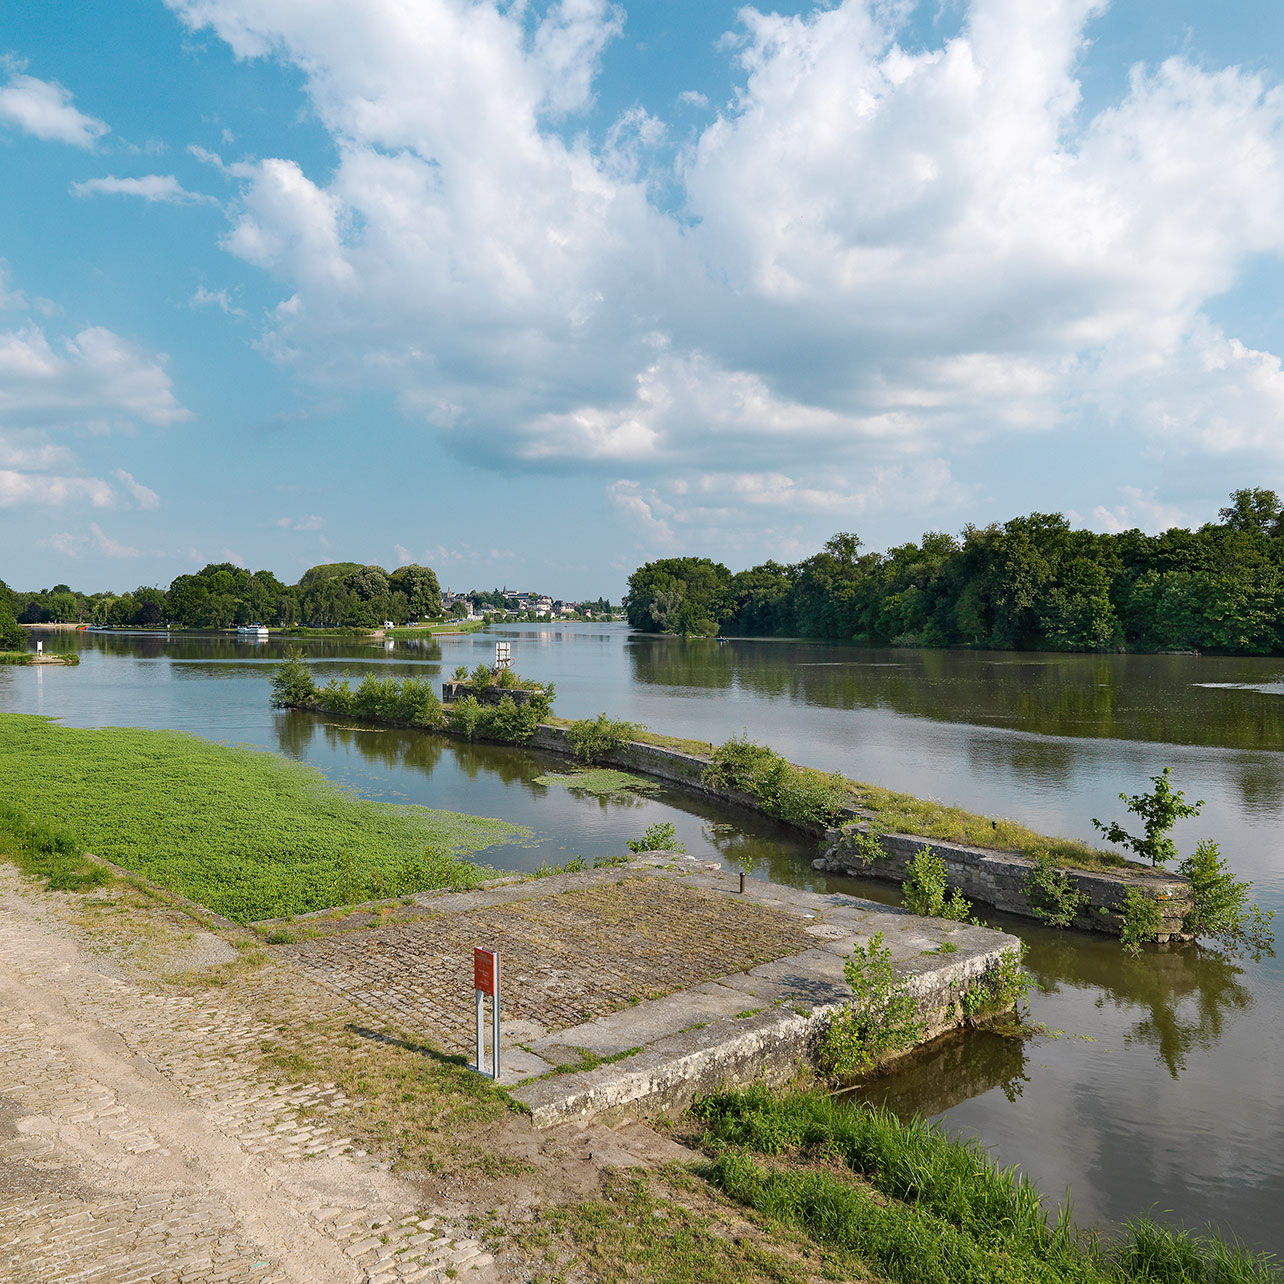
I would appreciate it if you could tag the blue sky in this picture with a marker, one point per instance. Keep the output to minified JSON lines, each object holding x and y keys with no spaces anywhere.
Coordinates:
{"x":533,"y":292}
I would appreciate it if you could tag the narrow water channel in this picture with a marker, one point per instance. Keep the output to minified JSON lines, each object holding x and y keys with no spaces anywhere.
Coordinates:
{"x":1160,"y":1088}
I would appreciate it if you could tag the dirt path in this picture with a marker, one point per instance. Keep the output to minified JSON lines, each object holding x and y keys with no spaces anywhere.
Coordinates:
{"x":134,"y":1148}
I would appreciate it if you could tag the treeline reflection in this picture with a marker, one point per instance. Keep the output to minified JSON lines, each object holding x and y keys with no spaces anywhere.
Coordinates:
{"x":1133,"y":697}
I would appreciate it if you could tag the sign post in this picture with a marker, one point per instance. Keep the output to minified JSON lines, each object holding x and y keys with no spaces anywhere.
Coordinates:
{"x":486,"y":978}
{"x":503,"y":655}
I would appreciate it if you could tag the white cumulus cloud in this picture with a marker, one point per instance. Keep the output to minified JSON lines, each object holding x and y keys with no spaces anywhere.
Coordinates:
{"x":150,"y":187}
{"x":879,"y":256}
{"x":44,"y":109}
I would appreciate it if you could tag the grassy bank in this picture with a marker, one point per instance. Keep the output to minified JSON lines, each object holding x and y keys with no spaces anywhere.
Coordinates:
{"x":909,"y":1203}
{"x":897,"y":812}
{"x":244,"y":832}
{"x":69,"y":658}
{"x":445,"y":626}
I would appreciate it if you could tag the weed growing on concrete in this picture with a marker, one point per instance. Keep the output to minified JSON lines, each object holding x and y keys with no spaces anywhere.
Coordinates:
{"x":1142,"y":921}
{"x":1220,"y":909}
{"x":924,"y":892}
{"x":1003,"y":985}
{"x":1052,"y":896}
{"x":659,"y":838}
{"x":881,"y":1018}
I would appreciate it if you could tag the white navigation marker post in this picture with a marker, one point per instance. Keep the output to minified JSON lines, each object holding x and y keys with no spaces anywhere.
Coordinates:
{"x":486,"y":981}
{"x":503,"y":655}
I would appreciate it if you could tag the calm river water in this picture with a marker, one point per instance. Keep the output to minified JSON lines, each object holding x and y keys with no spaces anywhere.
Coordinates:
{"x":1165,"y":1091}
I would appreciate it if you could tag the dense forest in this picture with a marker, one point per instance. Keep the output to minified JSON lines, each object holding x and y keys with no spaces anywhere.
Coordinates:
{"x":339,"y":594}
{"x":1031,"y":583}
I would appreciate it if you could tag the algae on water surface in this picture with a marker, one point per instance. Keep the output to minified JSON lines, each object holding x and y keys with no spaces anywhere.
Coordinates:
{"x":245,"y":832}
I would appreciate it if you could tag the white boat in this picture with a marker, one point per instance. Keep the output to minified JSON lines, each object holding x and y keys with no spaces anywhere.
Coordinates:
{"x":252,"y":630}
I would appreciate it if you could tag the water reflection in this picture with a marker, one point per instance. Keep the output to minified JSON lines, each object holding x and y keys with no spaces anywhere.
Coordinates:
{"x":950,"y":1070}
{"x":1193,"y":700}
{"x":1184,"y":993}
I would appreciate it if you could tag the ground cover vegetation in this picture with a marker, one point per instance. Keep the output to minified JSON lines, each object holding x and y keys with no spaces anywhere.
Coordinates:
{"x":248,"y":834}
{"x":912,"y":1204}
{"x":786,"y":1188}
{"x":1032,"y":583}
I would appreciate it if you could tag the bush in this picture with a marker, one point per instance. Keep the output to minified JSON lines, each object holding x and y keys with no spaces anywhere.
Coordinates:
{"x":419,"y":705}
{"x":659,"y":838}
{"x":924,"y":891}
{"x":336,"y":696}
{"x":293,"y":686}
{"x":797,"y":796}
{"x":377,"y":698}
{"x":1052,"y":896}
{"x":511,"y":721}
{"x":465,"y":716}
{"x":882,"y":1017}
{"x":482,"y":676}
{"x":1142,"y":921}
{"x":1221,"y":910}
{"x":593,"y":737}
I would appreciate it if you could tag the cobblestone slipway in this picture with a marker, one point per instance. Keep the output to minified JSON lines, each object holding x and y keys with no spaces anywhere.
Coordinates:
{"x":134,"y":1148}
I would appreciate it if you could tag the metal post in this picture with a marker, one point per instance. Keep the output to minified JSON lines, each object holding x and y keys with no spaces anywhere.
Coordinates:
{"x":742,"y":884}
{"x":495,"y":1038}
{"x":480,"y":1036}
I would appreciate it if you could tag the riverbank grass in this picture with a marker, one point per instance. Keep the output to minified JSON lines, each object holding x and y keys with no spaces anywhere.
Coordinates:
{"x":246,"y":833}
{"x":894,"y":812}
{"x":917,"y":1206}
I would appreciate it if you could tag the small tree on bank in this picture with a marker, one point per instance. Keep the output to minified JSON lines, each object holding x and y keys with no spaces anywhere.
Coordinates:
{"x":1159,"y":810}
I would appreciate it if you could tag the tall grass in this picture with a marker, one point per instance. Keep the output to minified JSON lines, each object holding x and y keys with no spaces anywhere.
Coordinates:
{"x":44,"y":851}
{"x":921,"y":1207}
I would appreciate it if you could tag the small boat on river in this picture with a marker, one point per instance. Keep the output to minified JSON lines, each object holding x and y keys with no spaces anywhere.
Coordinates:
{"x":252,"y":630}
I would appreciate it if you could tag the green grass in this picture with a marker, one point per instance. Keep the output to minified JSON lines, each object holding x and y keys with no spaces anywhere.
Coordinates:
{"x":443,"y":626}
{"x":645,"y":1229}
{"x":905,"y":814}
{"x":601,"y":782}
{"x":921,"y":1207}
{"x":246,"y":833}
{"x":42,"y":850}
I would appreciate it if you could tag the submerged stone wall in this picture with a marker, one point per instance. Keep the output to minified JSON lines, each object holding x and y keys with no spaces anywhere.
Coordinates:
{"x":998,"y":878}
{"x":983,"y":874}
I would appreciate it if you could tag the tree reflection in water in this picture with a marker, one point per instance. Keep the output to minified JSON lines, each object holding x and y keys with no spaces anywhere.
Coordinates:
{"x":1185,"y":991}
{"x":948,"y":1071}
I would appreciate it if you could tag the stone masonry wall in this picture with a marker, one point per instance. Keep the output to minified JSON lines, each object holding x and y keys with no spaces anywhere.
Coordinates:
{"x":998,"y":878}
{"x":983,"y":874}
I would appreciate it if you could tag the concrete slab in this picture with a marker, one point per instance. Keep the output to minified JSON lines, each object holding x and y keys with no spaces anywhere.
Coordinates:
{"x":760,"y":1023}
{"x":635,"y":988}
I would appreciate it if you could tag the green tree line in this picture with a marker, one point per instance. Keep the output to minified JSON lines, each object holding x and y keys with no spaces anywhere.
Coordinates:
{"x":1032,"y":583}
{"x":220,"y":596}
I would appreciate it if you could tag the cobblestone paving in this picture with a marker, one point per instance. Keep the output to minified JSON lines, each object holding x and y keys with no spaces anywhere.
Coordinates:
{"x":567,"y":957}
{"x":139,"y":1141}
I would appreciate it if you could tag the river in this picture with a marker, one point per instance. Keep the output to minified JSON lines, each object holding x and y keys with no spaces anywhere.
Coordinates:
{"x":1163,"y":1091}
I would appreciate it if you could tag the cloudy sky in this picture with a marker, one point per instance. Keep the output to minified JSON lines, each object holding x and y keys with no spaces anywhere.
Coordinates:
{"x":535,"y":291}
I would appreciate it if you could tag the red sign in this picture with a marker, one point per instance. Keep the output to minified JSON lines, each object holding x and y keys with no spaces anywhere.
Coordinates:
{"x":486,"y":971}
